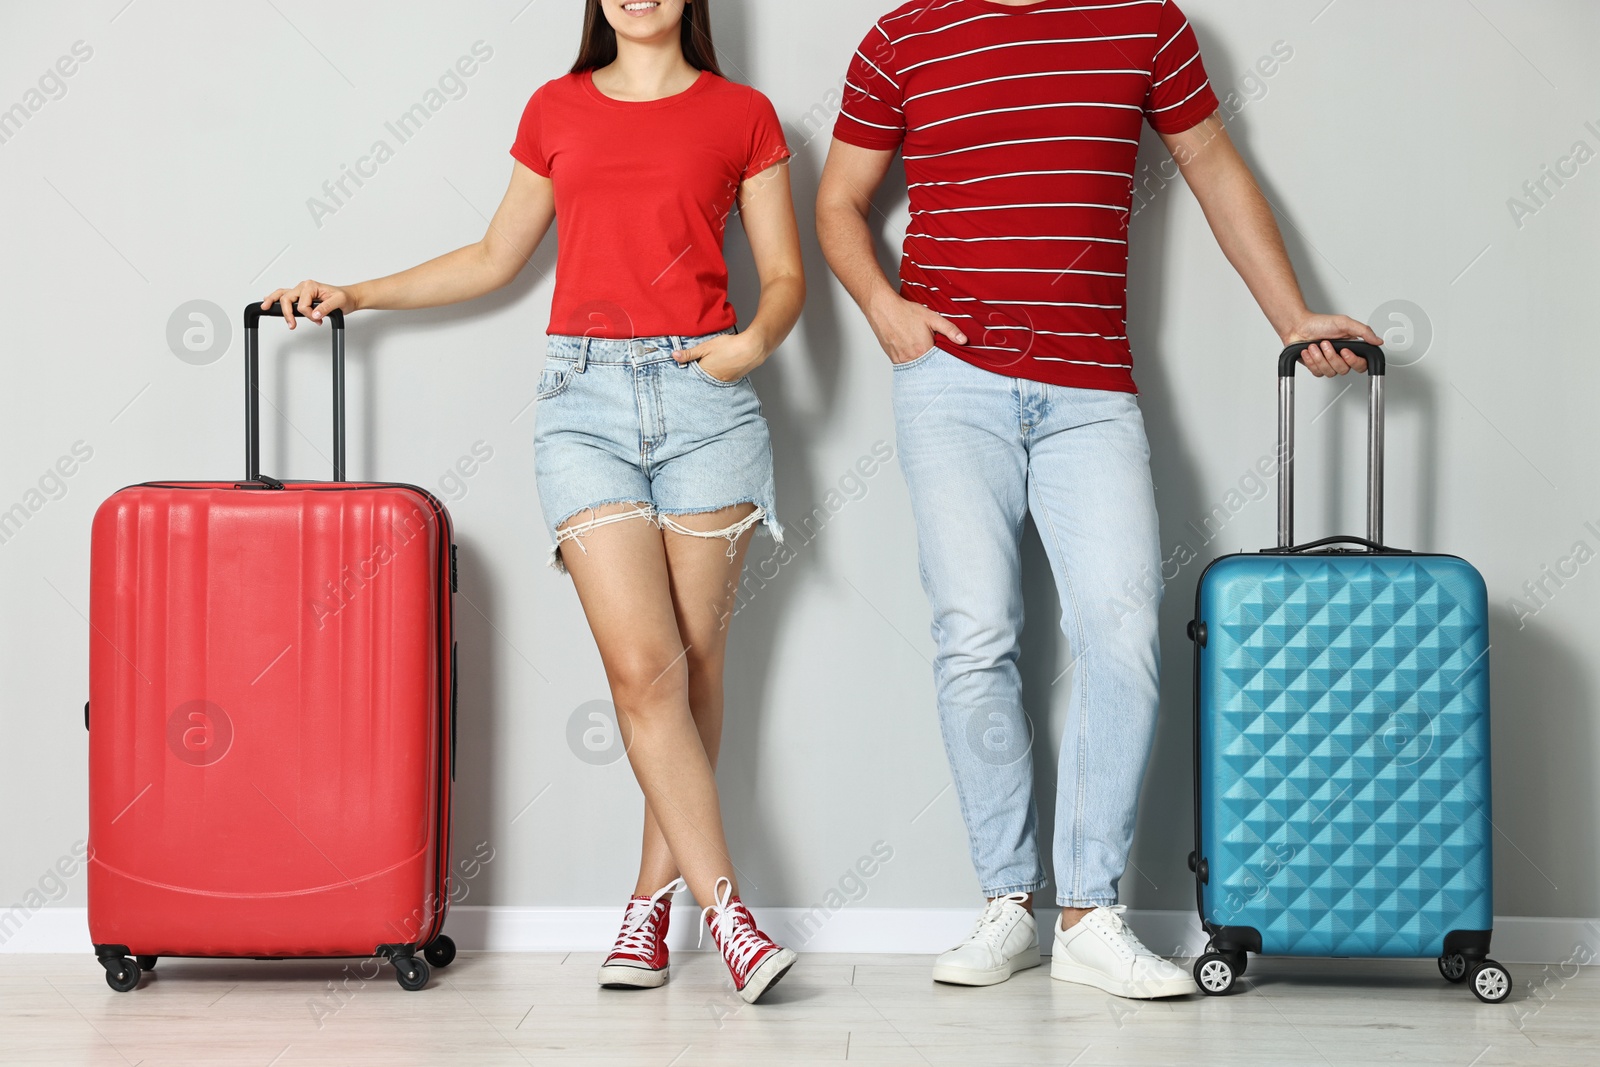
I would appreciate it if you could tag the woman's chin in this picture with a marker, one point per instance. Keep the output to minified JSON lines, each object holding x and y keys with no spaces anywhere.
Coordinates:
{"x":638,"y":34}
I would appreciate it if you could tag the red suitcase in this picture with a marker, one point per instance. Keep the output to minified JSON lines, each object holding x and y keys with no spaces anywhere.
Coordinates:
{"x":271,"y":716}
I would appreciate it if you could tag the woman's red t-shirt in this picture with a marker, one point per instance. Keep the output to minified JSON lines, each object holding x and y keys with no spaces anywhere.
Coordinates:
{"x":643,"y":192}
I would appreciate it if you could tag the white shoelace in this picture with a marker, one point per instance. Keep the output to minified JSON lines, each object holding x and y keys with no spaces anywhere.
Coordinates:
{"x":740,"y":941}
{"x":638,"y":936}
{"x":989,"y":930}
{"x":1122,"y":938}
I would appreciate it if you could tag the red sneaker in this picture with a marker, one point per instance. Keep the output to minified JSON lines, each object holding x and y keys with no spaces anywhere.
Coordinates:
{"x":755,"y":961}
{"x":639,"y":958}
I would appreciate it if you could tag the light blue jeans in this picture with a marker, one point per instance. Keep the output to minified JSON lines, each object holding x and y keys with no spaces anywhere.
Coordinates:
{"x":980,"y":451}
{"x":625,"y":422}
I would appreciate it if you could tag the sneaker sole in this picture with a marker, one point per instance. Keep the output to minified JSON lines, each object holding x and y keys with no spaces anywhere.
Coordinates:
{"x":764,"y":977}
{"x":621,"y":976}
{"x":967,"y":976}
{"x":1062,"y":971}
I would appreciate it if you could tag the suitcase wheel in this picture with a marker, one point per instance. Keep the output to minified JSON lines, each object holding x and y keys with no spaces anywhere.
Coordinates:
{"x":440,"y":951}
{"x":1453,"y":967}
{"x":122,"y":973}
{"x":146,"y":963}
{"x":1491,"y":982}
{"x":410,"y":972}
{"x":1216,"y":972}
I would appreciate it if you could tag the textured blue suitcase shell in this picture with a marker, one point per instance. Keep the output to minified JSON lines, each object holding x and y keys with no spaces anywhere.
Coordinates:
{"x":1343,"y":757}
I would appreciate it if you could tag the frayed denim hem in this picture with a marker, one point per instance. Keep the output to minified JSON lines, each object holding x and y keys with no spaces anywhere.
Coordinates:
{"x":664,"y":521}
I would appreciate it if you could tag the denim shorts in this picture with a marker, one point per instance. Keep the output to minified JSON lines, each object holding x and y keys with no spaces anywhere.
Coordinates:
{"x":624,"y":422}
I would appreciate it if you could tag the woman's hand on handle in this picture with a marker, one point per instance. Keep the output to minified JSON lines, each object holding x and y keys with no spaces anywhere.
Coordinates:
{"x":1323,"y":360}
{"x":314,"y":299}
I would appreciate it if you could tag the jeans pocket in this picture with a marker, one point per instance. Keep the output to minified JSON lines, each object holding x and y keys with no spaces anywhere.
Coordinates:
{"x":555,"y":379}
{"x":908,"y":364}
{"x":706,"y":376}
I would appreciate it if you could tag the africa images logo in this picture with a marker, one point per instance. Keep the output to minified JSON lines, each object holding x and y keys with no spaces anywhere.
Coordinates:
{"x":199,"y":732}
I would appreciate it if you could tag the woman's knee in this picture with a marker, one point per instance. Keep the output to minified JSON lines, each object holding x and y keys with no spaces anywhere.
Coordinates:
{"x":644,"y":683}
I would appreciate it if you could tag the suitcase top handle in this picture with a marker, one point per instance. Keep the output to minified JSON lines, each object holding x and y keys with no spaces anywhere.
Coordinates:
{"x":1287,"y":362}
{"x":252,"y":388}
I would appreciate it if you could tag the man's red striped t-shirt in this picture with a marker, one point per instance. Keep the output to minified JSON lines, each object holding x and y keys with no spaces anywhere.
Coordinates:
{"x":1019,"y":127}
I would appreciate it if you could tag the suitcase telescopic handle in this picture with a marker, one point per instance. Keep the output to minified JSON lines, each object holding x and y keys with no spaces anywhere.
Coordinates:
{"x":253,"y":314}
{"x":1287,"y":362}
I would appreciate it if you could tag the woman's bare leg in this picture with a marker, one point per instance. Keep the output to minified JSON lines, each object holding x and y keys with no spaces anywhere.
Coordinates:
{"x":621,"y":573}
{"x":705,"y":583}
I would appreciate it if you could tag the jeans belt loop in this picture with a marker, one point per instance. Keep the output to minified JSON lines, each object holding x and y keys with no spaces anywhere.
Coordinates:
{"x":583,"y":356}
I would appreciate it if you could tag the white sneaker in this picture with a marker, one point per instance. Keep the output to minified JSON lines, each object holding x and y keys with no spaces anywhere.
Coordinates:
{"x":1005,"y":941}
{"x":1102,"y":952}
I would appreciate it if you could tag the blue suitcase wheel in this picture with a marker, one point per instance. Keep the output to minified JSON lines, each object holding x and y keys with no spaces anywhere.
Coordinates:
{"x":1215,"y":973}
{"x":1491,"y":983}
{"x":1453,"y":967}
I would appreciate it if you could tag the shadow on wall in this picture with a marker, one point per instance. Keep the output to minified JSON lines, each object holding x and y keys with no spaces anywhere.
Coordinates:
{"x":478,"y":706}
{"x":1547,"y":852}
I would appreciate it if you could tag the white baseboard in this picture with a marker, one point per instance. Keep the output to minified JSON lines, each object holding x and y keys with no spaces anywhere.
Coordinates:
{"x":869,"y":930}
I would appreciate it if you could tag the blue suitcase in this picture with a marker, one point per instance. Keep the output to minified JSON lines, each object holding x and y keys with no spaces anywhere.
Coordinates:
{"x":1341,"y":742}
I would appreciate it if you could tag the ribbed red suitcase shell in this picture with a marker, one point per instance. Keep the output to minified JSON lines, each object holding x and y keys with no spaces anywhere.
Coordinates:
{"x":269,"y":719}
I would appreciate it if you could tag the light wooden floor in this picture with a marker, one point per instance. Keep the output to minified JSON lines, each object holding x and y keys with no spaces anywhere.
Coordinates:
{"x":497,"y":1008}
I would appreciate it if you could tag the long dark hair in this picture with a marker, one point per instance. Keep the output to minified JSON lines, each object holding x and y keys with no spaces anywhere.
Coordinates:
{"x":599,"y":46}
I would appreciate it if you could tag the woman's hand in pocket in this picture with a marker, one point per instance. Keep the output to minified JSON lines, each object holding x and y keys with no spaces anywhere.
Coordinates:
{"x":726,"y":358}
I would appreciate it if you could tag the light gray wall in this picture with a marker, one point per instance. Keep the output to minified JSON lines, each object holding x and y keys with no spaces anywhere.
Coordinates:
{"x":178,"y":164}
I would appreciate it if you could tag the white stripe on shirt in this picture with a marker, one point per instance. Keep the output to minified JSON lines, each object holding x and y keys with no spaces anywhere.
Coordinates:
{"x":1020,"y":174}
{"x":1043,"y":333}
{"x":1027,"y":107}
{"x":848,"y":84}
{"x":1032,"y":303}
{"x":1018,"y":77}
{"x":1014,"y":270}
{"x":1086,"y":362}
{"x":1192,"y":59}
{"x":1163,"y":48}
{"x":876,"y":125}
{"x":975,"y":240}
{"x":1004,"y":207}
{"x":1021,"y":44}
{"x":913,"y":14}
{"x":1058,"y":10}
{"x":1007,"y":14}
{"x":1185,"y":100}
{"x":1025,"y":140}
{"x":1052,"y":359}
{"x":877,"y":68}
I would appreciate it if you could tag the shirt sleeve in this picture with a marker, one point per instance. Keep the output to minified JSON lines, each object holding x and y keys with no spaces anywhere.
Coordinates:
{"x":1180,"y":94}
{"x":767,"y":144}
{"x":872,"y":114}
{"x":528,"y":148}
